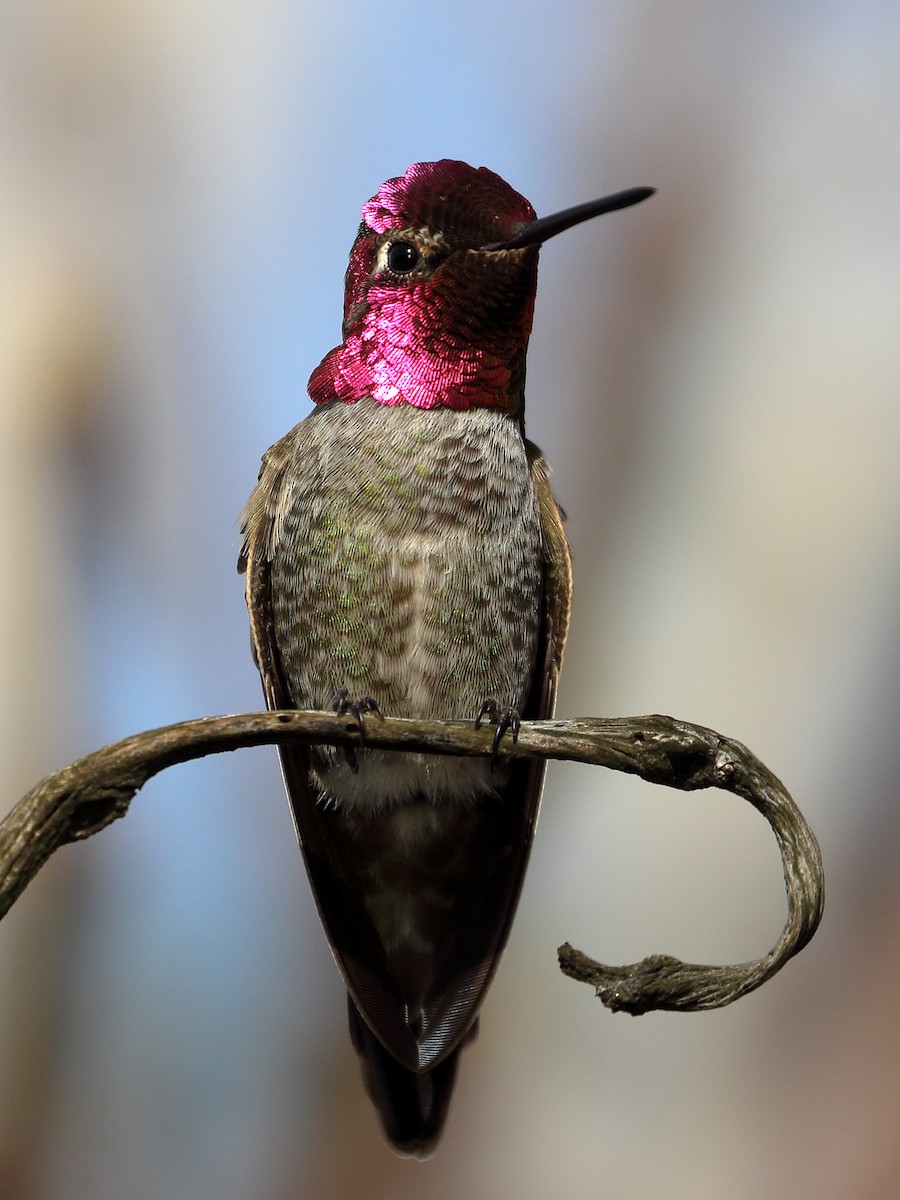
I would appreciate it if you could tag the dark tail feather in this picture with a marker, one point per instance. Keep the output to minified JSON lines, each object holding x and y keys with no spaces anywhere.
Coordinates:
{"x":412,"y":1106}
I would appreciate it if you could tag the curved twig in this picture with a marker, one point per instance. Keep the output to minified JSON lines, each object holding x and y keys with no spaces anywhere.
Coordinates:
{"x":88,"y":795}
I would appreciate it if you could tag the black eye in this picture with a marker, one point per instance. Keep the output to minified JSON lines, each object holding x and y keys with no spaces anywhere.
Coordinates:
{"x":402,"y":257}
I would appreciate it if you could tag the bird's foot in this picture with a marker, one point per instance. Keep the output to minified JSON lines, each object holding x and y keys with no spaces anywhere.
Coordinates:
{"x":506,"y":719}
{"x":343,"y":704}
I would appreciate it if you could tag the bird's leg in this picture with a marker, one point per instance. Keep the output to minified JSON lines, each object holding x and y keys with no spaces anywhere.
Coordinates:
{"x":343,"y":703}
{"x":504,"y":718}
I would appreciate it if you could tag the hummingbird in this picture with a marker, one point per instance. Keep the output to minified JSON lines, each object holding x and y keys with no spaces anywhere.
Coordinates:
{"x":405,"y":555}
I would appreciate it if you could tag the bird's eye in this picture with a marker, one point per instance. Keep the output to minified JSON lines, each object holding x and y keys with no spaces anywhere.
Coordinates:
{"x":402,"y":257}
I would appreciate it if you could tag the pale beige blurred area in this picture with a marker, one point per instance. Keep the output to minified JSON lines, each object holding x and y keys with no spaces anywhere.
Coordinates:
{"x":714,"y":375}
{"x":51,"y":347}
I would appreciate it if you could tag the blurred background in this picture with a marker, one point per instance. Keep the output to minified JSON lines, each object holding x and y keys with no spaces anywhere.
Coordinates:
{"x":714,"y":376}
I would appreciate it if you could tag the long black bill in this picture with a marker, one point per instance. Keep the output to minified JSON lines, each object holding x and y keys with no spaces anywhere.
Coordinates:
{"x":548,"y":227}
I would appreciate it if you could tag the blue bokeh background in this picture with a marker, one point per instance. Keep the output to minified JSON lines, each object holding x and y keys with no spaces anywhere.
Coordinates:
{"x":714,"y":376}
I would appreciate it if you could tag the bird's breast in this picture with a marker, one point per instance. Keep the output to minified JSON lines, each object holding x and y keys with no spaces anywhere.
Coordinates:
{"x":408,"y":567}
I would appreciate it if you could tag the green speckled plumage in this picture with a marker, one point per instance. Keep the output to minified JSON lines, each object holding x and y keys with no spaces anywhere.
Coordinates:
{"x":406,"y":569}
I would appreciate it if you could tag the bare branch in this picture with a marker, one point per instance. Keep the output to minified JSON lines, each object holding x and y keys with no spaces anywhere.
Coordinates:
{"x":84,"y":798}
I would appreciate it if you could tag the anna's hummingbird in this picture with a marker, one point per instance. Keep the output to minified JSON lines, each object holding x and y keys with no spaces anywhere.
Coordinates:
{"x":404,"y":554}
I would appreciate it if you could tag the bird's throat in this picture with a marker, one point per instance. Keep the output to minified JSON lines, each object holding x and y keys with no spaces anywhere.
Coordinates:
{"x":392,"y":373}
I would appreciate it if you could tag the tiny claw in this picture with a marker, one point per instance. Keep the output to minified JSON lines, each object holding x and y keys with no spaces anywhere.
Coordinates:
{"x":491,"y":710}
{"x":343,"y":703}
{"x":506,"y":719}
